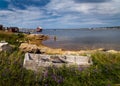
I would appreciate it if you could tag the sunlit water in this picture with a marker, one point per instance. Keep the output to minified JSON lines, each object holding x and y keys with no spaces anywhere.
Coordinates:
{"x":83,"y":39}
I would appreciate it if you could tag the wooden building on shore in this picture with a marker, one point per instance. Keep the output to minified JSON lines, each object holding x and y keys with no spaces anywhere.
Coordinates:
{"x":12,"y":29}
{"x":1,"y":27}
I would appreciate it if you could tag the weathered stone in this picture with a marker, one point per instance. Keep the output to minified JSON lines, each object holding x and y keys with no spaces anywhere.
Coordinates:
{"x":35,"y":61}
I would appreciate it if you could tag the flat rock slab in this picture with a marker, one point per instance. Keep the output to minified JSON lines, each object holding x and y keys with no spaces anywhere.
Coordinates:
{"x":35,"y":61}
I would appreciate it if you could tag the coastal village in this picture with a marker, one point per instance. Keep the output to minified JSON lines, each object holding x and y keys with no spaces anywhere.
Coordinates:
{"x":17,"y":30}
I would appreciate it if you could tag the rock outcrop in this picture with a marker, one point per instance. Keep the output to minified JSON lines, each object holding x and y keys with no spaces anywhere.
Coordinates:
{"x":36,"y":38}
{"x":31,"y":48}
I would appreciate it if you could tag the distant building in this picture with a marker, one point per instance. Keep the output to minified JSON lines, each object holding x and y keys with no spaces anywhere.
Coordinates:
{"x":1,"y":27}
{"x":39,"y":29}
{"x":12,"y":29}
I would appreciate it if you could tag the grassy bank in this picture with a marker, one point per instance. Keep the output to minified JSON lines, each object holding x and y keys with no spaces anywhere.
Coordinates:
{"x":12,"y":38}
{"x":104,"y":72}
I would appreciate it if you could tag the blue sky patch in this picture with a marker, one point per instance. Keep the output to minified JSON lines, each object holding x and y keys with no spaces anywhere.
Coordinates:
{"x":3,"y":4}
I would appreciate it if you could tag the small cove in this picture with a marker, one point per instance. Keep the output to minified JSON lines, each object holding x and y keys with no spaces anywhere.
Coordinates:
{"x":77,"y":39}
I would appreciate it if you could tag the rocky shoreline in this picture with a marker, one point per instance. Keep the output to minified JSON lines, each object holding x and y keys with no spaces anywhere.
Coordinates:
{"x":34,"y":45}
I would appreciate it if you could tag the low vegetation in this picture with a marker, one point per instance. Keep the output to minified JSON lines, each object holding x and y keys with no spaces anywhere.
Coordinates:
{"x":105,"y":70}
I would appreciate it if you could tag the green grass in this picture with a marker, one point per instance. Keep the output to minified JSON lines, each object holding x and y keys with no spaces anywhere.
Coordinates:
{"x":104,"y":72}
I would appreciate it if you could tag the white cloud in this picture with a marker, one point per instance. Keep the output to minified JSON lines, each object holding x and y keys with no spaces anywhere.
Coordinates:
{"x":62,"y":6}
{"x":22,"y":17}
{"x":87,"y":13}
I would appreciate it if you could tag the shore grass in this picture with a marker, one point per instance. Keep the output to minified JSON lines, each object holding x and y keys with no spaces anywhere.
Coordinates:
{"x":104,"y":72}
{"x":12,"y":38}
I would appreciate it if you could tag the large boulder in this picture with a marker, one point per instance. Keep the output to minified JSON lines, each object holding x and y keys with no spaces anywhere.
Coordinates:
{"x":35,"y":61}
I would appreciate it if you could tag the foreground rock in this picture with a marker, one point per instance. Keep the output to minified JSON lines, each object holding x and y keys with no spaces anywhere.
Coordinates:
{"x":35,"y":61}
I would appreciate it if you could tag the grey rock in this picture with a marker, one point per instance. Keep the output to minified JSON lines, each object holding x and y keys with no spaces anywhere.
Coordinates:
{"x":35,"y":61}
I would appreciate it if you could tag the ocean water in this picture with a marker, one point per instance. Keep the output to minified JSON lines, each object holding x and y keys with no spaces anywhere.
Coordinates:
{"x":77,"y":39}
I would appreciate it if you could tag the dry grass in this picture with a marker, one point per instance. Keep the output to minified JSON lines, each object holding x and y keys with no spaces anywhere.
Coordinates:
{"x":5,"y":32}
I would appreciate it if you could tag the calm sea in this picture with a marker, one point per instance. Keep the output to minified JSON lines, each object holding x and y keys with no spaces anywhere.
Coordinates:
{"x":75,"y":39}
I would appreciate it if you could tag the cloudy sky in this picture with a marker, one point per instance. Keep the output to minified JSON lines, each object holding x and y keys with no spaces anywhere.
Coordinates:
{"x":60,"y":13}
